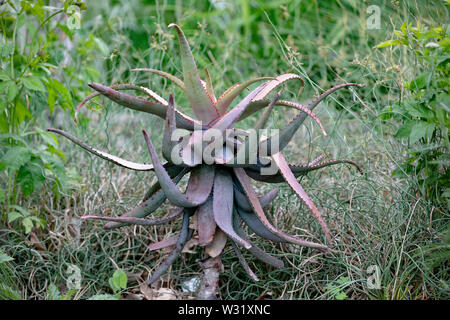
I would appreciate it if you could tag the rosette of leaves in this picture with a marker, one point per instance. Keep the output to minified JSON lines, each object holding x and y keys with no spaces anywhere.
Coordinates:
{"x":219,"y":194}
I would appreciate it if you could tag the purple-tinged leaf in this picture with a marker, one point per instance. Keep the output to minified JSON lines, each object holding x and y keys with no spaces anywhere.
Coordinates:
{"x":181,"y":241}
{"x":254,"y":223}
{"x":255,"y":250}
{"x":278,"y":81}
{"x":251,"y":195}
{"x":325,"y":94}
{"x":139,"y":104}
{"x":206,"y":225}
{"x":209,"y":88}
{"x":243,"y":262}
{"x":122,"y":86}
{"x":138,"y":221}
{"x":201,"y":103}
{"x":166,"y":75}
{"x":114,"y":159}
{"x":283,"y":166}
{"x":153,"y":202}
{"x":200,"y":184}
{"x":165,"y":243}
{"x":169,"y":129}
{"x":286,"y":134}
{"x":223,"y":206}
{"x":225,"y":100}
{"x":243,"y":203}
{"x":173,"y":194}
{"x":228,"y":120}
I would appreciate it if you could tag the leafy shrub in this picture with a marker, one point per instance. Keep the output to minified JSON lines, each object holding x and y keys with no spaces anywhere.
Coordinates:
{"x":424,"y":113}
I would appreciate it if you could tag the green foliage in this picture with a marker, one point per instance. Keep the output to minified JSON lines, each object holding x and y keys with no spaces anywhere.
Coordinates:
{"x":9,"y":289}
{"x":336,"y":289}
{"x":424,"y":113}
{"x":30,"y":79}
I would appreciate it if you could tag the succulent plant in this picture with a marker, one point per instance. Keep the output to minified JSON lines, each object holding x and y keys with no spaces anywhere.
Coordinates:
{"x":219,"y":192}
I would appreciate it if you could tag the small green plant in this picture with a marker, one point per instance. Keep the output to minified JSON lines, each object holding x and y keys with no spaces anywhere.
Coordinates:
{"x":29,"y":157}
{"x":425,"y":111}
{"x":219,"y":193}
{"x":336,"y":289}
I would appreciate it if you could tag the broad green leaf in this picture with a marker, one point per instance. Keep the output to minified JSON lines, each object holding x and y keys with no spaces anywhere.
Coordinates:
{"x":4,"y":75}
{"x":405,"y":130}
{"x":27,"y":224}
{"x":4,"y":257}
{"x":118,"y":281}
{"x":419,"y":130}
{"x":420,"y":82}
{"x":389,"y":43}
{"x":33,"y":83}
{"x":16,"y":157}
{"x":14,"y":215}
{"x":12,"y":91}
{"x":31,"y":176}
{"x":22,"y":111}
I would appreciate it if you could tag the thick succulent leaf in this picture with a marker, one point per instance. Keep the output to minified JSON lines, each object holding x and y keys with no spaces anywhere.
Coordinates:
{"x":255,"y":224}
{"x":316,"y":160}
{"x":223,"y":206}
{"x":122,"y":86}
{"x":209,"y":87}
{"x":243,"y":203}
{"x":277,"y":82}
{"x":251,"y":195}
{"x":182,"y":239}
{"x":261,"y":123}
{"x":206,"y":225}
{"x":114,"y":159}
{"x":283,"y":166}
{"x":243,"y":262}
{"x":230,"y":94}
{"x":138,"y":221}
{"x":173,"y":194}
{"x":153,"y":202}
{"x":230,"y":118}
{"x":256,"y":251}
{"x":254,"y":171}
{"x":165,"y":243}
{"x":200,"y":184}
{"x":201,"y":103}
{"x":255,"y":106}
{"x":169,"y":129}
{"x":225,"y":122}
{"x":286,"y":134}
{"x":325,"y":94}
{"x":139,"y":104}
{"x":166,"y":75}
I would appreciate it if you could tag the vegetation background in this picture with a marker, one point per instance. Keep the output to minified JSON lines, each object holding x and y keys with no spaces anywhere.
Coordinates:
{"x":393,"y":219}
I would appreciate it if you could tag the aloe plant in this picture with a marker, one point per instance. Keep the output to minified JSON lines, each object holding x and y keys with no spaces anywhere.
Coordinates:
{"x":219,"y":193}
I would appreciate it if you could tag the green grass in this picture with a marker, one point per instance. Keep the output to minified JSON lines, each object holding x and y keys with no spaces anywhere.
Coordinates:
{"x":375,"y":219}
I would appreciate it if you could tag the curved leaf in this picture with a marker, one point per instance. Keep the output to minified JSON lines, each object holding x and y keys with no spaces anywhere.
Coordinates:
{"x":206,"y":225}
{"x":223,"y":206}
{"x":181,"y":241}
{"x":173,"y":194}
{"x":166,"y":75}
{"x":201,"y":103}
{"x":230,"y":94}
{"x":114,"y":159}
{"x":278,"y":81}
{"x":139,"y":104}
{"x":251,"y":195}
{"x":295,"y":185}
